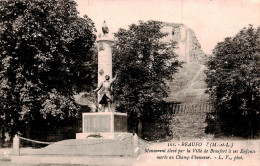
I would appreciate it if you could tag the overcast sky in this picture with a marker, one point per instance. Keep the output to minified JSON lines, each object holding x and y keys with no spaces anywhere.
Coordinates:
{"x":211,"y":20}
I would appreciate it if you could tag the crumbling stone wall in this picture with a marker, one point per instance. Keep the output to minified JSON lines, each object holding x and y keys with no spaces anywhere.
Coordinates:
{"x":196,"y":53}
{"x":189,"y":48}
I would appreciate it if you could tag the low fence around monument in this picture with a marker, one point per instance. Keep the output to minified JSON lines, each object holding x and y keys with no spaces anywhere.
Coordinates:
{"x":129,"y":144}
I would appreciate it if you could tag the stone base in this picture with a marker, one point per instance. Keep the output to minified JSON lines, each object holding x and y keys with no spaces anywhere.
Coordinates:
{"x":121,"y":145}
{"x":102,"y":125}
{"x":122,"y":150}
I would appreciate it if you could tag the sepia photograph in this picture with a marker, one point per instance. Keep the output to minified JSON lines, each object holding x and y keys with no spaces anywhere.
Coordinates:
{"x":129,"y":82}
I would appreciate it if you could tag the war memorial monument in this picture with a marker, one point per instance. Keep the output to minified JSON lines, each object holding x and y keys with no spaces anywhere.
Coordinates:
{"x":104,"y":139}
{"x":106,"y":122}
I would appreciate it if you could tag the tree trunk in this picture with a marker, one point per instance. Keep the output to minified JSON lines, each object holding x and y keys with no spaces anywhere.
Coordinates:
{"x":140,"y":128}
{"x":2,"y":137}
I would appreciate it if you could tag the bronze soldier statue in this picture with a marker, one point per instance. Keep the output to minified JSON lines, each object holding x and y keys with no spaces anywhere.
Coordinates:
{"x":105,"y":93}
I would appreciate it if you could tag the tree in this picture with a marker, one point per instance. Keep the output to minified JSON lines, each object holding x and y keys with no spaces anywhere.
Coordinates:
{"x":143,"y":62}
{"x":233,"y":80}
{"x":46,"y":56}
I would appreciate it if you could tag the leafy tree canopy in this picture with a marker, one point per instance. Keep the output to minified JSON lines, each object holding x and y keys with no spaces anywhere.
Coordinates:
{"x":233,"y":80}
{"x":45,"y":56}
{"x":143,"y":62}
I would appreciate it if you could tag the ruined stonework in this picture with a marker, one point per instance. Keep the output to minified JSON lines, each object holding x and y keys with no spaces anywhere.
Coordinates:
{"x":188,"y":48}
{"x":188,"y":84}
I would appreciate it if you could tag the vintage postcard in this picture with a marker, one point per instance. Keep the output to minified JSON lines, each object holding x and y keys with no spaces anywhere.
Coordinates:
{"x":130,"y":82}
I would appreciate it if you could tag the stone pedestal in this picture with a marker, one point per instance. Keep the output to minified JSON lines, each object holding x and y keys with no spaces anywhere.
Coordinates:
{"x":102,"y":125}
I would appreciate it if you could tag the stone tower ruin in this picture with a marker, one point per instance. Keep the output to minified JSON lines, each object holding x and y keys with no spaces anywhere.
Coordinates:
{"x":188,"y":48}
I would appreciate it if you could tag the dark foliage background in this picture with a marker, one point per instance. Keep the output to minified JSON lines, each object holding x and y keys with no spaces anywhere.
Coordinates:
{"x":45,"y":58}
{"x":233,"y":80}
{"x":143,"y":64}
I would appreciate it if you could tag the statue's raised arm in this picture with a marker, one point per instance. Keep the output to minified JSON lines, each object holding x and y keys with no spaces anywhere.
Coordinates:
{"x":113,"y":79}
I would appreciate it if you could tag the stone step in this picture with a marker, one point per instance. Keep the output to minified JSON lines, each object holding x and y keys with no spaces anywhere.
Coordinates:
{"x":122,"y":150}
{"x":103,"y":147}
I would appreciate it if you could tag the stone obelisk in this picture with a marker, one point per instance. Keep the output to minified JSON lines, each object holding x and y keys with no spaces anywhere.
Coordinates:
{"x":104,"y":56}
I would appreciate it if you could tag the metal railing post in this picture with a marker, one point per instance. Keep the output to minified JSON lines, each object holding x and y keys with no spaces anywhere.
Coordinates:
{"x":16,"y":146}
{"x":136,"y":149}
